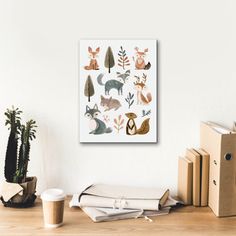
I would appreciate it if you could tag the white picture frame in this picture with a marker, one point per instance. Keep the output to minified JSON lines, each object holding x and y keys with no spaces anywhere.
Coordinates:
{"x":120,"y":106}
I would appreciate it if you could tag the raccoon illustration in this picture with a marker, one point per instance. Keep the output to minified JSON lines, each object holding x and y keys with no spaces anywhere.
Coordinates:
{"x":110,"y":103}
{"x":95,"y":125}
{"x":111,"y":84}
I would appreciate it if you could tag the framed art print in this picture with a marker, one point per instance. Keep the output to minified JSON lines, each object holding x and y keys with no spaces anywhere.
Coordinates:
{"x":118,"y":91}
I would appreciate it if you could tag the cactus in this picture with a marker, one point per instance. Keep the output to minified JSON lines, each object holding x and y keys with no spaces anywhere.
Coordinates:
{"x":16,"y":165}
{"x":13,"y":120}
{"x":27,"y":133}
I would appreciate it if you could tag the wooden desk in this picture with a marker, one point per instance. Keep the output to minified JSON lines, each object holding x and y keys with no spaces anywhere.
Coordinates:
{"x":184,"y":221}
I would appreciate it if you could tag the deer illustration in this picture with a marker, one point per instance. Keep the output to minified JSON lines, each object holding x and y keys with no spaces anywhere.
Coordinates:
{"x":142,"y":98}
{"x":93,"y":65}
{"x":140,"y":62}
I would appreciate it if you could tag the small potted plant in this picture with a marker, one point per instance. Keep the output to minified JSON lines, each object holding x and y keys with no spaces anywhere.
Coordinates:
{"x":18,"y":190}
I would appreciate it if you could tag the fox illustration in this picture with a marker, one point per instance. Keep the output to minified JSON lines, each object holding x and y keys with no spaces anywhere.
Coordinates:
{"x":110,"y":103}
{"x":93,"y":65}
{"x":142,"y":99}
{"x":111,"y":84}
{"x":96,"y":125}
{"x":140,"y":62}
{"x":131,"y":128}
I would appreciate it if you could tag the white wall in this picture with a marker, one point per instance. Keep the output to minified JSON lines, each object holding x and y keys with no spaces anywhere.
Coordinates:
{"x":39,"y":74}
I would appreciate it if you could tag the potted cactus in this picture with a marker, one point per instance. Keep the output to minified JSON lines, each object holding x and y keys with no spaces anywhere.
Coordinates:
{"x":18,"y":190}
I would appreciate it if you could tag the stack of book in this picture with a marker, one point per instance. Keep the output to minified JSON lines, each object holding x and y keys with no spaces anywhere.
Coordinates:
{"x":106,"y":203}
{"x":193,"y":177}
{"x":206,"y":174}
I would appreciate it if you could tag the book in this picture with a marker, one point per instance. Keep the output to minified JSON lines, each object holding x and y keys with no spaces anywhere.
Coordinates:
{"x":220,"y":143}
{"x":185,"y":180}
{"x":101,"y":195}
{"x":204,"y":176}
{"x":98,"y":214}
{"x":193,"y":156}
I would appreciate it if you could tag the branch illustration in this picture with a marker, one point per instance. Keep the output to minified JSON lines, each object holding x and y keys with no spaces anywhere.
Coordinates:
{"x":130,"y":99}
{"x":119,"y":121}
{"x":123,"y":60}
{"x":106,"y":118}
{"x":146,"y":113}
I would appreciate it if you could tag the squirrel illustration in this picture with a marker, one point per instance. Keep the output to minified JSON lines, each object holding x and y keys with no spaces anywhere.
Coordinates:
{"x":93,"y":65}
{"x":110,"y":103}
{"x":96,"y":125}
{"x":131,"y":128}
{"x":140,"y":62}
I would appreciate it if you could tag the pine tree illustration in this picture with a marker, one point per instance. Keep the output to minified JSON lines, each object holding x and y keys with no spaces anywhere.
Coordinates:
{"x":89,"y":88}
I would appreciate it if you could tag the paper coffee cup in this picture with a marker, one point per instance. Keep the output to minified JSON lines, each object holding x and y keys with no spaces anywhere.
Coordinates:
{"x":53,"y":207}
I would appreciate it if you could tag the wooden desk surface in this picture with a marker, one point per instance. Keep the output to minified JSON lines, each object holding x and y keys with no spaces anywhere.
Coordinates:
{"x":184,"y":221}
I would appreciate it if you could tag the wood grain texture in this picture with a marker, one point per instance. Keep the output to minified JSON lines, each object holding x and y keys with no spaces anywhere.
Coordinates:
{"x":184,"y":221}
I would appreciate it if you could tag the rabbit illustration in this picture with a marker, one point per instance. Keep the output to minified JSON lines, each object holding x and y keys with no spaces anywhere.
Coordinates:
{"x":93,"y":65}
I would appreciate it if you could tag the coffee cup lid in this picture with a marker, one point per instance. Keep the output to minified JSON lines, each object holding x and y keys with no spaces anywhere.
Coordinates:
{"x":53,"y":194}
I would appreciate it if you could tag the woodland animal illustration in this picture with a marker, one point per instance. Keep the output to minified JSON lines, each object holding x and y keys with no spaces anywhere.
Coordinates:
{"x":131,"y":128}
{"x":140,"y":86}
{"x":110,"y":103}
{"x":140,"y":61}
{"x":111,"y":84}
{"x":93,"y":65}
{"x":123,"y":76}
{"x":96,"y":125}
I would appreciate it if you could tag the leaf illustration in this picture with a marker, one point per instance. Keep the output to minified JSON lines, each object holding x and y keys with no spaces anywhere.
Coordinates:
{"x":123,"y":60}
{"x":118,"y":124}
{"x":129,"y":99}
